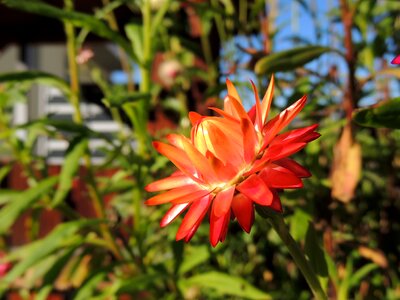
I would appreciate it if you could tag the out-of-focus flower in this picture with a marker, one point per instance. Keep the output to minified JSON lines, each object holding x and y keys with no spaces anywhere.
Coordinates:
{"x":231,"y":163}
{"x":168,"y":70}
{"x":84,"y":55}
{"x":396,"y":60}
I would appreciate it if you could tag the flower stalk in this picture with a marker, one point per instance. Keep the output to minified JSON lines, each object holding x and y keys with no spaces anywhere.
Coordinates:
{"x":277,"y":222}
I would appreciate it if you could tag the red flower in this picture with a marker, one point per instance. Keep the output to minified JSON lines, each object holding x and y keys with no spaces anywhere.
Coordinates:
{"x":229,"y":164}
{"x":396,"y":60}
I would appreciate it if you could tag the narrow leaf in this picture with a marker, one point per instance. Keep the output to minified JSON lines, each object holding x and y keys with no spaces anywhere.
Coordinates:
{"x":32,"y":77}
{"x":386,"y":115}
{"x":23,"y":201}
{"x":78,"y":19}
{"x":224,"y":284}
{"x":69,"y":169}
{"x":289,"y":60}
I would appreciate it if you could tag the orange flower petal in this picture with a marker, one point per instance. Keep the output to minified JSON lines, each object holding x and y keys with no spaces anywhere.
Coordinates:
{"x":183,"y":194}
{"x":194,"y":117}
{"x":172,"y":213}
{"x":243,"y":209}
{"x":225,"y":172}
{"x":222,"y":201}
{"x":194,"y":215}
{"x":199,"y":161}
{"x":232,"y":90}
{"x":168,"y":183}
{"x":267,"y":100}
{"x":291,"y":112}
{"x":258,"y":124}
{"x":255,"y":189}
{"x":178,"y":157}
{"x":224,"y":114}
{"x":250,"y":140}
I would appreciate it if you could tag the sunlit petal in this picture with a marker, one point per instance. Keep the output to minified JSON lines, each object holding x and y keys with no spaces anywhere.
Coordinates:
{"x":195,"y":214}
{"x":172,"y":213}
{"x":168,"y":183}
{"x":182,"y":194}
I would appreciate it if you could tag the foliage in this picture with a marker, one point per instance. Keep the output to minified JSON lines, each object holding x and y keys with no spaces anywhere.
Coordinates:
{"x":113,"y":247}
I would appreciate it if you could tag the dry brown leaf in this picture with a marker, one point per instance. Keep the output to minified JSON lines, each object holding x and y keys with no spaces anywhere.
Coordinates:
{"x":374,"y":255}
{"x":346,"y":167}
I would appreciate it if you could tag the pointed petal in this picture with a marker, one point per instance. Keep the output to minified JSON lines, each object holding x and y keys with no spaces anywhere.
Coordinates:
{"x":218,"y":227}
{"x":280,"y":178}
{"x":194,"y":215}
{"x":224,"y":114}
{"x":243,"y":209}
{"x":222,"y":201}
{"x":199,"y":161}
{"x":267,"y":100}
{"x":191,"y":197}
{"x":168,"y":183}
{"x":291,"y":112}
{"x":296,"y":135}
{"x":223,"y":140}
{"x":276,"y":202}
{"x":192,"y":231}
{"x":294,"y":167}
{"x":194,"y":117}
{"x":186,"y":193}
{"x":172,"y":213}
{"x":238,"y":108}
{"x":258,"y":124}
{"x":232,"y":90}
{"x":250,"y":140}
{"x":280,"y":151}
{"x":254,"y":188}
{"x":178,"y":157}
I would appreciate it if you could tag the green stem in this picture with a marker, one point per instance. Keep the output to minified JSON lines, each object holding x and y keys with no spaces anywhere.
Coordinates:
{"x":74,"y":82}
{"x":277,"y":222}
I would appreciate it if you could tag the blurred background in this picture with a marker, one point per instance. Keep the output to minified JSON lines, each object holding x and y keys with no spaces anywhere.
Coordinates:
{"x":85,"y":86}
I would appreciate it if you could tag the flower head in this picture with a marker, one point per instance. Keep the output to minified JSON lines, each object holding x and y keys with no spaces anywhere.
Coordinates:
{"x":396,"y":60}
{"x":230,"y":163}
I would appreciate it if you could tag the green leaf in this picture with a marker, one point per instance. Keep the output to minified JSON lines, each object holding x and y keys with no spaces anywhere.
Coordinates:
{"x":386,"y":114}
{"x":194,"y":257}
{"x":23,"y":201}
{"x":289,"y":60}
{"x":32,"y":77}
{"x":4,"y":171}
{"x":315,"y":252}
{"x":71,"y":165}
{"x":7,"y":195}
{"x":356,"y":278}
{"x":224,"y":284}
{"x":59,"y":262}
{"x":76,"y":18}
{"x":134,"y":33}
{"x":63,"y":237}
{"x":89,"y":287}
{"x":299,"y":224}
{"x":126,"y":98}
